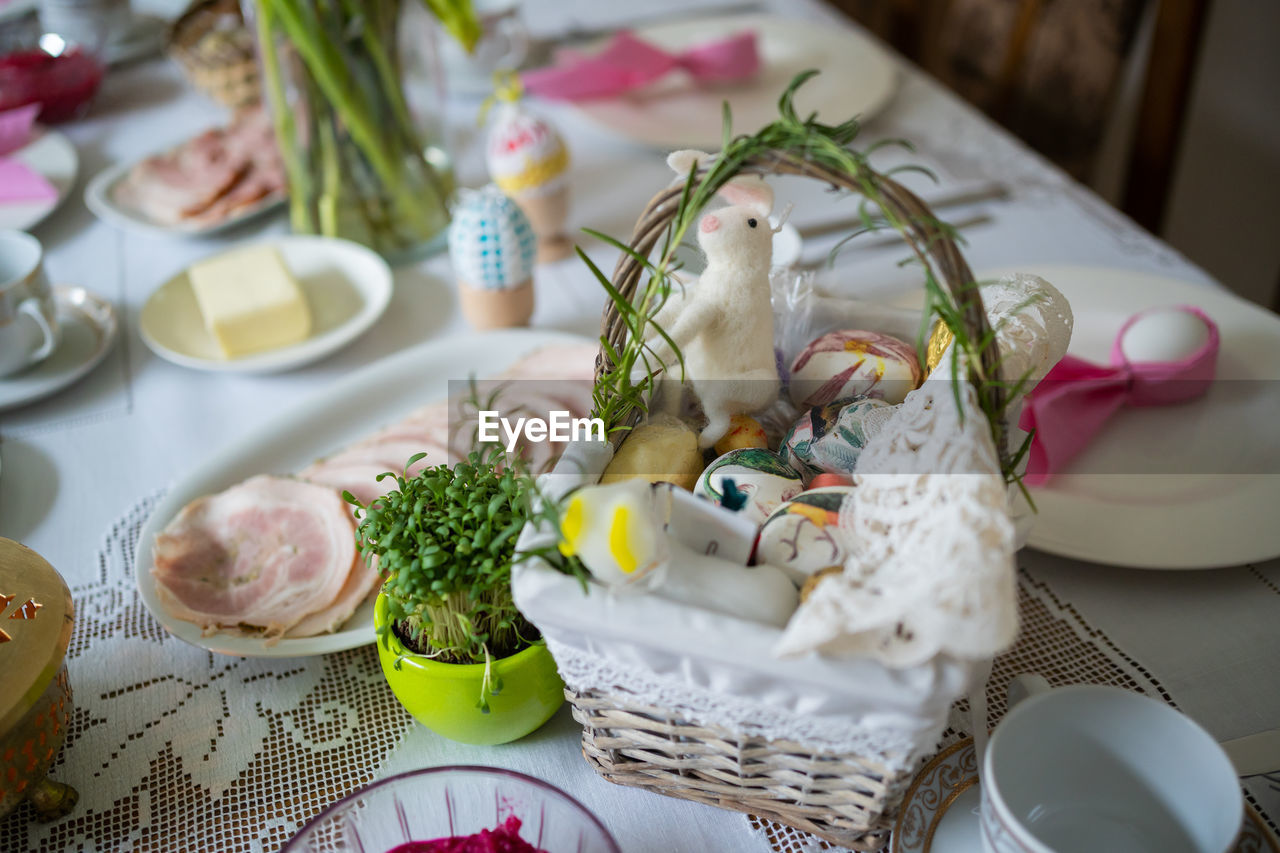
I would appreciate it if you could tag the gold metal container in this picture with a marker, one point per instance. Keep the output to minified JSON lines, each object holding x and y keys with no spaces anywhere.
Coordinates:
{"x":36,"y":615}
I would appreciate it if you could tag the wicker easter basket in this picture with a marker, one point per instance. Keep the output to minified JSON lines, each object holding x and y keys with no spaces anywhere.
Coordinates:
{"x":215,"y":49}
{"x":847,"y":799}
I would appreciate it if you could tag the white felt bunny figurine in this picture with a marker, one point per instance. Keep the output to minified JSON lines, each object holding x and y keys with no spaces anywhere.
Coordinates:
{"x":724,"y":324}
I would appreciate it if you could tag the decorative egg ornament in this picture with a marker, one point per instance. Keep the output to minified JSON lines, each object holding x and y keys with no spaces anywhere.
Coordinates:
{"x":758,"y":475}
{"x":36,"y":616}
{"x":492,"y":246}
{"x":829,"y":438}
{"x":528,"y":161}
{"x":851,"y":363}
{"x":803,"y":535}
{"x":744,"y":432}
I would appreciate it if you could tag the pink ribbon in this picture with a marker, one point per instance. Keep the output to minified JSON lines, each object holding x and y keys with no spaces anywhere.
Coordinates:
{"x":628,"y":63}
{"x":1074,"y":402}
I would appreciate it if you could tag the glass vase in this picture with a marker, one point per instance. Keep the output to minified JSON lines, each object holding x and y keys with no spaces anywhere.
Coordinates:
{"x":359,"y":161}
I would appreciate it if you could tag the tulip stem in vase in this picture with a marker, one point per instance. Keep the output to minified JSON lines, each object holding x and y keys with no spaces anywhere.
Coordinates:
{"x":354,"y":157}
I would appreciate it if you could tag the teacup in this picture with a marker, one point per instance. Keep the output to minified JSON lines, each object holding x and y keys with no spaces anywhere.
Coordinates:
{"x":1092,"y":768}
{"x":28,"y":316}
{"x":503,"y":45}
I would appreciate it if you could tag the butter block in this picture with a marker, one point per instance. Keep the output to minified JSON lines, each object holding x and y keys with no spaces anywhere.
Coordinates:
{"x":250,"y":301}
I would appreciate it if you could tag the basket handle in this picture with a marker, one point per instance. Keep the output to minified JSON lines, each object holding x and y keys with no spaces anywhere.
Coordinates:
{"x":922,"y":231}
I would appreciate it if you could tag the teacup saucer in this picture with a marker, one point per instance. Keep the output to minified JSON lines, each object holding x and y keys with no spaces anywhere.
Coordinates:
{"x":940,"y":810}
{"x":88,"y":324}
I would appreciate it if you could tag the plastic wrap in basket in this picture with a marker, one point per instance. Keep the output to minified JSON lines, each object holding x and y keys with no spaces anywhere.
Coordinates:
{"x":695,"y":704}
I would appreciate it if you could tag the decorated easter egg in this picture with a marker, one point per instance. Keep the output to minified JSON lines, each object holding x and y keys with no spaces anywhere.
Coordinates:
{"x":491,"y":242}
{"x":525,"y":155}
{"x":851,"y":363}
{"x":830,"y":437}
{"x":760,"y":478}
{"x":803,"y":535}
{"x":744,"y":431}
{"x":665,"y":451}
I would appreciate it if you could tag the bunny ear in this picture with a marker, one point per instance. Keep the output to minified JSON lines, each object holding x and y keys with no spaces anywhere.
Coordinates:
{"x":749,"y":191}
{"x":684,"y":162}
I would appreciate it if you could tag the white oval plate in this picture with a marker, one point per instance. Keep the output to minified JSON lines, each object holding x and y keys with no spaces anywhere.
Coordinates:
{"x":53,"y":157}
{"x":1199,"y":520}
{"x":98,"y":195}
{"x":858,"y":79}
{"x":351,"y":409}
{"x":88,"y":329}
{"x":347,"y":287}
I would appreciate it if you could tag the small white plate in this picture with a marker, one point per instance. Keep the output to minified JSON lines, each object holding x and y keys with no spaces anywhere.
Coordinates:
{"x":88,"y":324}
{"x":1197,"y":484}
{"x":349,"y":410}
{"x":858,"y":79}
{"x":940,"y":810}
{"x":347,"y":288}
{"x":53,"y":157}
{"x":99,"y":196}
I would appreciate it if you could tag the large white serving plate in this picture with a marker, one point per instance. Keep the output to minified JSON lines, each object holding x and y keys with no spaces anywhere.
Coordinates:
{"x":351,"y":409}
{"x":858,"y":79}
{"x":1150,"y":515}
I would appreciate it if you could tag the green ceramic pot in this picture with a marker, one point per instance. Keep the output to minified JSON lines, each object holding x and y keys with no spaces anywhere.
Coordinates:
{"x":444,"y":696}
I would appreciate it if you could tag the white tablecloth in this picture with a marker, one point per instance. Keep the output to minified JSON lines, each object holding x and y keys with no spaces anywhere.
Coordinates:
{"x":74,"y":465}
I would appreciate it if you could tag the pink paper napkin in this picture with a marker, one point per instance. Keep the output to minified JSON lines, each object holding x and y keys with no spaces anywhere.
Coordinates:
{"x":15,"y":126}
{"x":628,"y":63}
{"x":19,"y":182}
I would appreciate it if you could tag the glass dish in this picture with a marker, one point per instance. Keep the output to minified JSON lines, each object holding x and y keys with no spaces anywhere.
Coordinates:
{"x":439,"y":802}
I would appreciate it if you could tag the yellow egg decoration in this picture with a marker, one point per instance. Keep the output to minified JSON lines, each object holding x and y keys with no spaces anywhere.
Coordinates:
{"x":529,"y":161}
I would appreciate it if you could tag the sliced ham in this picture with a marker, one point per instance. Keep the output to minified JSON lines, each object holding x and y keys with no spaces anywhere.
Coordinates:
{"x":279,"y":554}
{"x":266,"y":553}
{"x":360,"y":480}
{"x":210,"y":177}
{"x":360,"y":582}
{"x":389,"y":456}
{"x":557,"y":361}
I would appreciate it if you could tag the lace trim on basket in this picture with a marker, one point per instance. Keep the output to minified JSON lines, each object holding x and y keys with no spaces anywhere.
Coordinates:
{"x":897,"y":749}
{"x":931,"y":567}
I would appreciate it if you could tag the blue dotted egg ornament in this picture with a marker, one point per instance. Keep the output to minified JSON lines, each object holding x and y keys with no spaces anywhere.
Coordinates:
{"x":491,"y":241}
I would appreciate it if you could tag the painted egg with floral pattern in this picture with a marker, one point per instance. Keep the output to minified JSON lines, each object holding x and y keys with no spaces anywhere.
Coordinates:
{"x":854,"y":362}
{"x":803,"y":535}
{"x":760,"y":478}
{"x":831,"y":437}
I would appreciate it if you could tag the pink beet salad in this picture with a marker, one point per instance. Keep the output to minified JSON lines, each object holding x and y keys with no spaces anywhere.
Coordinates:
{"x":504,"y":839}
